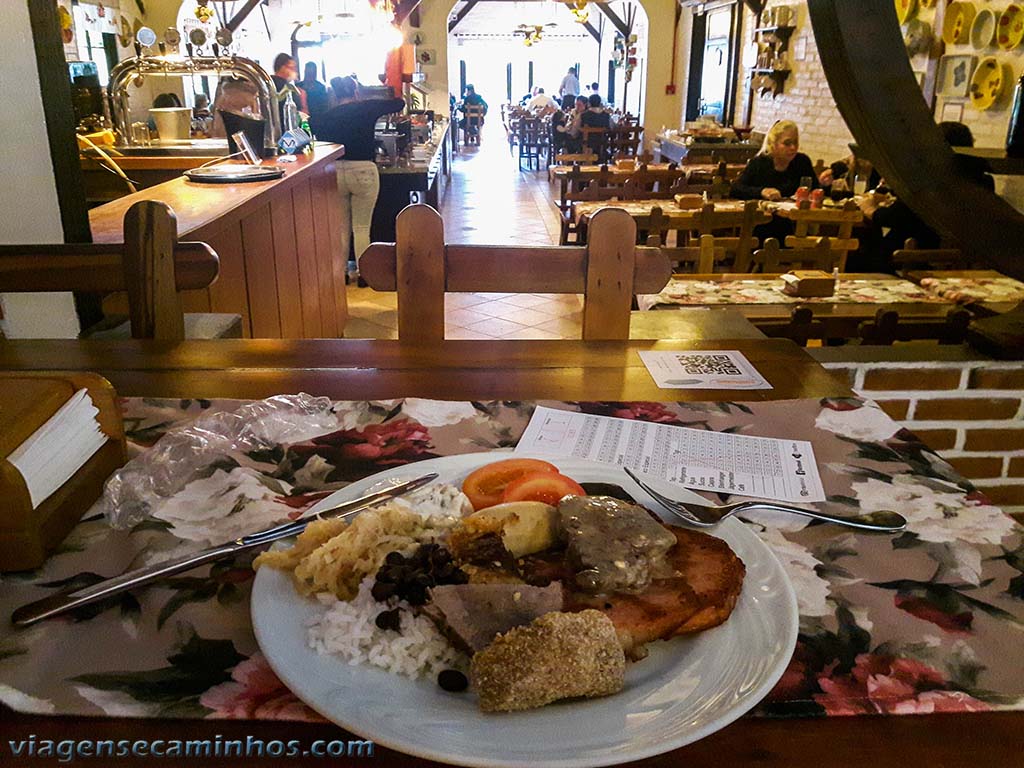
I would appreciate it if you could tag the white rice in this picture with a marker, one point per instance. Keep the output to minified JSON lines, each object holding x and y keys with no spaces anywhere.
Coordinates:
{"x":349,"y":630}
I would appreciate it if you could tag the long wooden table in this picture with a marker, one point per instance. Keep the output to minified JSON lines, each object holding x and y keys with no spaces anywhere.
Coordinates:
{"x":279,"y":243}
{"x":771,"y":307}
{"x":564,"y":173}
{"x":565,"y":370}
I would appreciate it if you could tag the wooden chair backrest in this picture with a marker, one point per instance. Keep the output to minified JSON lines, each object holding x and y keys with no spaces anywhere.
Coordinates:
{"x":653,"y":184}
{"x":595,"y":139}
{"x":473,"y":111}
{"x":733,"y":229}
{"x":625,"y":140}
{"x":151,"y":266}
{"x":888,"y":327}
{"x":836,"y":222}
{"x":801,"y":327}
{"x":608,"y":271}
{"x":912,"y":257}
{"x":578,"y":157}
{"x":698,"y":258}
{"x":771,"y":258}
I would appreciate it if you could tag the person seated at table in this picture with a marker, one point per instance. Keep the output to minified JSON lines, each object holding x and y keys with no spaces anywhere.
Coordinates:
{"x":472,"y":99}
{"x":560,"y":120}
{"x":541,"y":104}
{"x":779,"y":168}
{"x":890,"y":223}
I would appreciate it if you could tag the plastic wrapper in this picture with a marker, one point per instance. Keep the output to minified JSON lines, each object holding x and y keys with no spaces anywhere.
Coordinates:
{"x":185,"y":453}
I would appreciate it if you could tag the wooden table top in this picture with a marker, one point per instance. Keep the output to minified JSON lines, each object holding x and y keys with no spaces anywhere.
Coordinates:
{"x":375,"y":369}
{"x":565,"y":370}
{"x":198,"y":206}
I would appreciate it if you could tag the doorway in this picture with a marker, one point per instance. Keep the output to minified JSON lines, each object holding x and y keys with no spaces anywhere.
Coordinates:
{"x":714,"y":62}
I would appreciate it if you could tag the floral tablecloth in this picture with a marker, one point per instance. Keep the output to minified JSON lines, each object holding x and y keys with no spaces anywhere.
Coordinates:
{"x":930,"y":620}
{"x":763,"y":291}
{"x":972,"y":290}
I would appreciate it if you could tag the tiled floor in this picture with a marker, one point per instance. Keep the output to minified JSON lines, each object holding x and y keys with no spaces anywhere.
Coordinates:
{"x":490,"y":201}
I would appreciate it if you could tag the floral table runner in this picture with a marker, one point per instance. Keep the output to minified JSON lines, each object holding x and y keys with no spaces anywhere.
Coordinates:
{"x":930,"y":620}
{"x":762,"y":291}
{"x":971,"y":290}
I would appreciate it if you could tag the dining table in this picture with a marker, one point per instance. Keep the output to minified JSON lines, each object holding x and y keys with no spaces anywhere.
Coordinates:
{"x":907,"y":649}
{"x":984,"y":291}
{"x":587,"y":172}
{"x":760,"y":299}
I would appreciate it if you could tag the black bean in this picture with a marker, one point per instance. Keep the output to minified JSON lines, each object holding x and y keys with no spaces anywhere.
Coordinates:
{"x":452,"y":680}
{"x":395,"y":558}
{"x":381,"y":591}
{"x":390,"y":620}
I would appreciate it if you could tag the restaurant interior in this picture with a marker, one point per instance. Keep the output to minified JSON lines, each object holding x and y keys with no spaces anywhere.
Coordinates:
{"x":621,"y":381}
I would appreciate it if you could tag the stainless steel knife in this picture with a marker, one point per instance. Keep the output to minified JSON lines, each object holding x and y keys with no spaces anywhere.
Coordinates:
{"x":66,"y":601}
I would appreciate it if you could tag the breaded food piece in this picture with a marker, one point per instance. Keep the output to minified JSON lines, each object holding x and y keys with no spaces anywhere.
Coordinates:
{"x":558,"y":656}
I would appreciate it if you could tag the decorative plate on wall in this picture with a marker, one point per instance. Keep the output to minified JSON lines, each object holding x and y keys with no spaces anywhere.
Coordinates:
{"x":987,"y":83}
{"x":1011,"y":27}
{"x":983,"y":30}
{"x":905,"y":9}
{"x":954,"y":78}
{"x":956,"y":28}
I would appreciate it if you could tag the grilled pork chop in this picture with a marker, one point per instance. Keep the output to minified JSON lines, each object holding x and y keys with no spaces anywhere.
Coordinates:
{"x":707,"y":580}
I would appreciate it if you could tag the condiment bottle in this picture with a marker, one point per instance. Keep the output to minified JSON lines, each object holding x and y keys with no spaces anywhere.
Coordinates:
{"x":291,"y":114}
{"x":1015,"y":131}
{"x":817,"y":196}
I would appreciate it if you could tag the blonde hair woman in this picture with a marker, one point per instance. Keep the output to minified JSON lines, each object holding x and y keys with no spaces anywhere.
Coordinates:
{"x":779,"y":168}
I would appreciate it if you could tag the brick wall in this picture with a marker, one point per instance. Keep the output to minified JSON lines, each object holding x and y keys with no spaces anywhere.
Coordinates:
{"x":806,"y":98}
{"x":970,"y":412}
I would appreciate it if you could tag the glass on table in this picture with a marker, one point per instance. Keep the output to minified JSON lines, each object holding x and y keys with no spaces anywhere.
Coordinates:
{"x":860,"y":184}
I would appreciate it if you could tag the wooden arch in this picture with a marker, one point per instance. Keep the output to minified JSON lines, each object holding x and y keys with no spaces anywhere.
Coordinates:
{"x":868,"y":71}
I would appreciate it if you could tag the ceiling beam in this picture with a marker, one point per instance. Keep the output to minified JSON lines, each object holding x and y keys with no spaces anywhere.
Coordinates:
{"x":613,"y":17}
{"x":463,"y":13}
{"x":238,"y":18}
{"x":868,"y":71}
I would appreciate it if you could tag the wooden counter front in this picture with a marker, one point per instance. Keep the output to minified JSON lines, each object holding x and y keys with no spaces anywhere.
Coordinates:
{"x":279,"y":243}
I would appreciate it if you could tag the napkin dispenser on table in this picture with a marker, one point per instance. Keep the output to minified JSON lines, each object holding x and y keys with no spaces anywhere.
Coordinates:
{"x":29,"y":533}
{"x":808,"y":283}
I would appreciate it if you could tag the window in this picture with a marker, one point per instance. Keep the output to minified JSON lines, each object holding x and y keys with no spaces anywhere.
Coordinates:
{"x":95,"y":36}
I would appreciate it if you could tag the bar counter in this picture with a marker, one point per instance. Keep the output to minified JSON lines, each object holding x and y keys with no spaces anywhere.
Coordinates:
{"x":279,"y":245}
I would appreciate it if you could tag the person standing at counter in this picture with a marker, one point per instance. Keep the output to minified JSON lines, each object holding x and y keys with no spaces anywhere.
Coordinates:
{"x":286,"y":72}
{"x":352,"y":123}
{"x":316,"y":92}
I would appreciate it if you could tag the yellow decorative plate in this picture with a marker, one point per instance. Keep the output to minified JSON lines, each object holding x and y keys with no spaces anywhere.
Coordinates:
{"x":983,"y":30}
{"x":956,"y":28}
{"x":987,"y":83}
{"x":1010,"y":29}
{"x":905,"y":9}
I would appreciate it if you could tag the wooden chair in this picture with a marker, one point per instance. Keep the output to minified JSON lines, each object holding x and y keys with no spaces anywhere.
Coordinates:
{"x":888,"y":327}
{"x":602,"y":187}
{"x":571,"y":158}
{"x":732,"y":229}
{"x":836,"y":223}
{"x":625,"y":140}
{"x":771,"y":258}
{"x":699,"y":259}
{"x":910,"y":257}
{"x":594,"y":139}
{"x":801,"y":327}
{"x":474,"y":117}
{"x":657,"y":184}
{"x":151,"y":266}
{"x":422,"y":267}
{"x":532,"y":138}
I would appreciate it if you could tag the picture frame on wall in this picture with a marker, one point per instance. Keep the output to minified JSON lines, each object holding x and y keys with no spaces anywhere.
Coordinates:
{"x":952,"y":111}
{"x":954,"y":75}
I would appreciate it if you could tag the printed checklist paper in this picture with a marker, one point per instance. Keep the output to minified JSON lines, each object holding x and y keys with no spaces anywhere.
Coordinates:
{"x":759,"y":467}
{"x":706,"y":369}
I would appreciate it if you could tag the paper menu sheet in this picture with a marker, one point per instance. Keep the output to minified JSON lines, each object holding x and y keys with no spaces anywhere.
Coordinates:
{"x":759,"y":467}
{"x":704,"y":369}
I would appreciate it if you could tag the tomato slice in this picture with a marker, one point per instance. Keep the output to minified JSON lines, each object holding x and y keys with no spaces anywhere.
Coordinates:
{"x":542,"y":486}
{"x":484,"y":486}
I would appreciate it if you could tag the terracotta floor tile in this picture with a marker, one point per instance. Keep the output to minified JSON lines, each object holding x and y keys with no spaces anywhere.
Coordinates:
{"x":565,"y":327}
{"x":496,"y":326}
{"x":464,"y":317}
{"x":532,"y":333}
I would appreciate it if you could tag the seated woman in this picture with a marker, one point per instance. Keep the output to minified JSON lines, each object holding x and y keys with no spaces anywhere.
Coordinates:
{"x":776,"y":171}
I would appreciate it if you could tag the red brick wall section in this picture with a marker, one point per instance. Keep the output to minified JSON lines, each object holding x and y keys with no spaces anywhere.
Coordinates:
{"x":971,"y":413}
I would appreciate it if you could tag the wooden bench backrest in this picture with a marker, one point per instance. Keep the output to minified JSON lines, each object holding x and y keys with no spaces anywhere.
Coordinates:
{"x":422,"y":267}
{"x":151,"y":266}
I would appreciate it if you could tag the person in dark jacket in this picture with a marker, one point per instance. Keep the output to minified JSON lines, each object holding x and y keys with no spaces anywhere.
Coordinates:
{"x":776,"y":171}
{"x":352,"y":123}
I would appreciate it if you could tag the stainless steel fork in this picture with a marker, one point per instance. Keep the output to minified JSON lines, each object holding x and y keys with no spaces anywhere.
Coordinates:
{"x":710,"y":515}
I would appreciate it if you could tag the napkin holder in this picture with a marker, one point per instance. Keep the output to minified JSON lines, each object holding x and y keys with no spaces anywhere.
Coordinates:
{"x":27,"y":400}
{"x":808,"y":283}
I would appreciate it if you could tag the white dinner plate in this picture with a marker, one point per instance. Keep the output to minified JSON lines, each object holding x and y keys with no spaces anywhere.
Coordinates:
{"x":684,"y":690}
